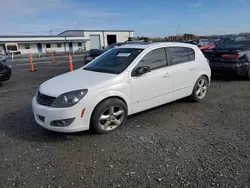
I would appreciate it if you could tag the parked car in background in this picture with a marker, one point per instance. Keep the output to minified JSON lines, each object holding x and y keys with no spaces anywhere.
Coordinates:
{"x":208,"y":47}
{"x":232,"y":39}
{"x":5,"y":69}
{"x":200,"y":42}
{"x":230,"y":55}
{"x":93,"y":53}
{"x":124,"y":81}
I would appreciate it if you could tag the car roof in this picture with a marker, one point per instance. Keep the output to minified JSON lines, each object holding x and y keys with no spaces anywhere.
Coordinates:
{"x":144,"y":45}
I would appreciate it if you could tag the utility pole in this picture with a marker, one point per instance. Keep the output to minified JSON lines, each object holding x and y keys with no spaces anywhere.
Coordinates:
{"x":177,"y":30}
{"x":51,"y":32}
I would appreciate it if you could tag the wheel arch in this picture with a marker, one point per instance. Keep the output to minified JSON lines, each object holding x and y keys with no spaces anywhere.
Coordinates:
{"x":113,"y":94}
{"x":205,"y":74}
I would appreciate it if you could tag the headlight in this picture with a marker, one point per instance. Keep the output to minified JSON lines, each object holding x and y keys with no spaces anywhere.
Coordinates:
{"x":69,"y":99}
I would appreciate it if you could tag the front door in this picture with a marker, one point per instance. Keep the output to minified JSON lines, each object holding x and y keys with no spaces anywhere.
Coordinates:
{"x":153,"y":88}
{"x":184,"y":71}
{"x":70,"y":47}
{"x":39,"y":47}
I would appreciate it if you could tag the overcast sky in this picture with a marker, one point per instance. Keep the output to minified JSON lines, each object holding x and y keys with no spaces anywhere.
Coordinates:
{"x":146,"y":17}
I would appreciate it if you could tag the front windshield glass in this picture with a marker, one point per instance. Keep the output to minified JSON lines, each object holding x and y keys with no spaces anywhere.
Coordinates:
{"x":114,"y":61}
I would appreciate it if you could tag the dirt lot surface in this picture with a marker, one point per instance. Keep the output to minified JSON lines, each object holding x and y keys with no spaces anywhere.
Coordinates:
{"x":180,"y":144}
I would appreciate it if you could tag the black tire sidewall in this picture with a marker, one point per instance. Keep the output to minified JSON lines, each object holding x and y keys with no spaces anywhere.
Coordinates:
{"x":248,"y":73}
{"x":100,"y":108}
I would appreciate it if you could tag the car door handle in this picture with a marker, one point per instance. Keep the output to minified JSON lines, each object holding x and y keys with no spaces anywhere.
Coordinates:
{"x":192,"y":68}
{"x":167,"y":75}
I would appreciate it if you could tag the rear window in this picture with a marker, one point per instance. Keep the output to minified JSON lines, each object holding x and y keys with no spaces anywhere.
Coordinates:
{"x":114,"y":61}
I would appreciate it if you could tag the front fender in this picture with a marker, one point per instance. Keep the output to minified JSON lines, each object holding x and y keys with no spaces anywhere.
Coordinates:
{"x":114,"y":93}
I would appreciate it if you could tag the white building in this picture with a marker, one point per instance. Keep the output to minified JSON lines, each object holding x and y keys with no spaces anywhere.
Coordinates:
{"x":70,"y":40}
{"x":41,"y":44}
{"x":100,"y":38}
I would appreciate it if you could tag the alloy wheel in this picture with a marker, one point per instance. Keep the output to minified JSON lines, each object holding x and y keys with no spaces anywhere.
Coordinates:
{"x":111,"y":118}
{"x":201,"y":88}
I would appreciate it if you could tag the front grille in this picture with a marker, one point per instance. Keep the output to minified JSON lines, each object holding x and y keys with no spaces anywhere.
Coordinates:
{"x":45,"y":100}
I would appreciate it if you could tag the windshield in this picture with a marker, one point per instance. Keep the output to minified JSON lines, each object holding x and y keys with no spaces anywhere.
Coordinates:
{"x":114,"y":61}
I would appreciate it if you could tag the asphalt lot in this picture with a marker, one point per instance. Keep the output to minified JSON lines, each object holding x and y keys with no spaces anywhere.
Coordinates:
{"x":181,"y":144}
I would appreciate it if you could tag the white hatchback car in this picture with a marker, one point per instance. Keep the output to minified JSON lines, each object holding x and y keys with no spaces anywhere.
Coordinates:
{"x":122,"y":81}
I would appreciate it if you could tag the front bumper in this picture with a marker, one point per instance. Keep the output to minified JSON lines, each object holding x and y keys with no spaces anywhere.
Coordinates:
{"x":51,"y":114}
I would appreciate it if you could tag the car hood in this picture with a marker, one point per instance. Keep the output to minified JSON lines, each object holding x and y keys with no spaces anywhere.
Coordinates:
{"x":78,"y":79}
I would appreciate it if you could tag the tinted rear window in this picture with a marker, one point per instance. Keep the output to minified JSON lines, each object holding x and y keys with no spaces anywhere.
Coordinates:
{"x":178,"y":55}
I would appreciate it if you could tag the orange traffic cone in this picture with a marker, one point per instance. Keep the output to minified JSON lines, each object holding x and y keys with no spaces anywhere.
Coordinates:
{"x":53,"y":57}
{"x":32,"y":69}
{"x":70,"y":64}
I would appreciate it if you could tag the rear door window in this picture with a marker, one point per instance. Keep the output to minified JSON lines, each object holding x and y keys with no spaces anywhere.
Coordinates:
{"x":178,"y":55}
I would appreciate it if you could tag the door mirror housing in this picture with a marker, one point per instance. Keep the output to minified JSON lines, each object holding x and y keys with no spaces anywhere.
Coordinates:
{"x":142,"y":70}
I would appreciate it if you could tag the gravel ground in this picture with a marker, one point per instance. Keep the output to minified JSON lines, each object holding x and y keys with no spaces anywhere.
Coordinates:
{"x":180,"y":144}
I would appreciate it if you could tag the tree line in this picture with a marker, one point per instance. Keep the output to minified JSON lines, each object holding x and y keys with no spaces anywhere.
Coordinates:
{"x":186,"y":37}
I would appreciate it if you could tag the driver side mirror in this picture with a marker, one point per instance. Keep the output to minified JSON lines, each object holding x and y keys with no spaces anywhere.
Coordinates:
{"x":142,"y":70}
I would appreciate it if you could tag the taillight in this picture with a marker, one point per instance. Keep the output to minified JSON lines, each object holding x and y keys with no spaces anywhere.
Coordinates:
{"x":231,"y":55}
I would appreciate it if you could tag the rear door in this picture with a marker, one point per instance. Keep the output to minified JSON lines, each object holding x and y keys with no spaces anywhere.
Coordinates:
{"x":184,"y":70}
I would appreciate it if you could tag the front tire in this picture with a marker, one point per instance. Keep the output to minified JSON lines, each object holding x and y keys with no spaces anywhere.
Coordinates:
{"x":200,"y":89}
{"x":108,"y":115}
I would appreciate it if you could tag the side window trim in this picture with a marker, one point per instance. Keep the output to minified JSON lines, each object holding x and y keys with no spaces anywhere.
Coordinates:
{"x":169,"y":56}
{"x":188,"y":55}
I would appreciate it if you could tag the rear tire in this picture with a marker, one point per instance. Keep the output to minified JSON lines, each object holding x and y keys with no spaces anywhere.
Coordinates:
{"x":248,"y":74}
{"x":108,"y":115}
{"x":200,"y":89}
